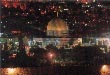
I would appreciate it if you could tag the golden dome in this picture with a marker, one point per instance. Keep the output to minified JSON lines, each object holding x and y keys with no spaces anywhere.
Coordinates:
{"x":57,"y":27}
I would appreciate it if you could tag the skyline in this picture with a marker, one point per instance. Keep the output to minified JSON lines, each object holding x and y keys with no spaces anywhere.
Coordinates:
{"x":32,"y":18}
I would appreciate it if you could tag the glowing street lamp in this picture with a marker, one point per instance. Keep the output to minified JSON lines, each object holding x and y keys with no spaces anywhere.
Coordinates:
{"x":51,"y":55}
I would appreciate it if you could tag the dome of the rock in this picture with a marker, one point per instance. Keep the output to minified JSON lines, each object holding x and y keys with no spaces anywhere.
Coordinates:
{"x":57,"y":27}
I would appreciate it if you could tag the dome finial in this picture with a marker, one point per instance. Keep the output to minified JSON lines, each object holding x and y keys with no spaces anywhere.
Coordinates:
{"x":57,"y":13}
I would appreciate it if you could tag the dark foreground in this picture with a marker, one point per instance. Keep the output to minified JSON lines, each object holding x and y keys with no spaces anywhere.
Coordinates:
{"x":53,"y":70}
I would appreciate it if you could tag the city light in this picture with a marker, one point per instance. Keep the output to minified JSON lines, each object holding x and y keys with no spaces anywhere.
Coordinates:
{"x":66,"y":9}
{"x":104,"y":67}
{"x":94,"y":0}
{"x":90,"y":24}
{"x":51,"y":55}
{"x":105,"y":70}
{"x":11,"y":71}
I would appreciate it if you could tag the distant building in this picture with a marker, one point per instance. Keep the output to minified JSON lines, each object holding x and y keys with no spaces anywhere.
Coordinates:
{"x":57,"y":27}
{"x":67,"y":43}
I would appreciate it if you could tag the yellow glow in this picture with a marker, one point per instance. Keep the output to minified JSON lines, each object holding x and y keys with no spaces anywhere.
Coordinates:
{"x":11,"y":70}
{"x":94,"y":0}
{"x":56,"y":27}
{"x":104,"y":67}
{"x":105,"y":70}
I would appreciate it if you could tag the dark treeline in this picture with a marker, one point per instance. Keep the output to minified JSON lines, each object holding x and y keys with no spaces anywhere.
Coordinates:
{"x":39,"y":57}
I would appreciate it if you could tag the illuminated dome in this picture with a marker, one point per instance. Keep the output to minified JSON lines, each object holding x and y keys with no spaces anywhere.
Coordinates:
{"x":57,"y":27}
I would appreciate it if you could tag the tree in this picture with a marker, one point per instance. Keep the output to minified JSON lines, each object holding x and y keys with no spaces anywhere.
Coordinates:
{"x":87,"y":55}
{"x":51,"y":47}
